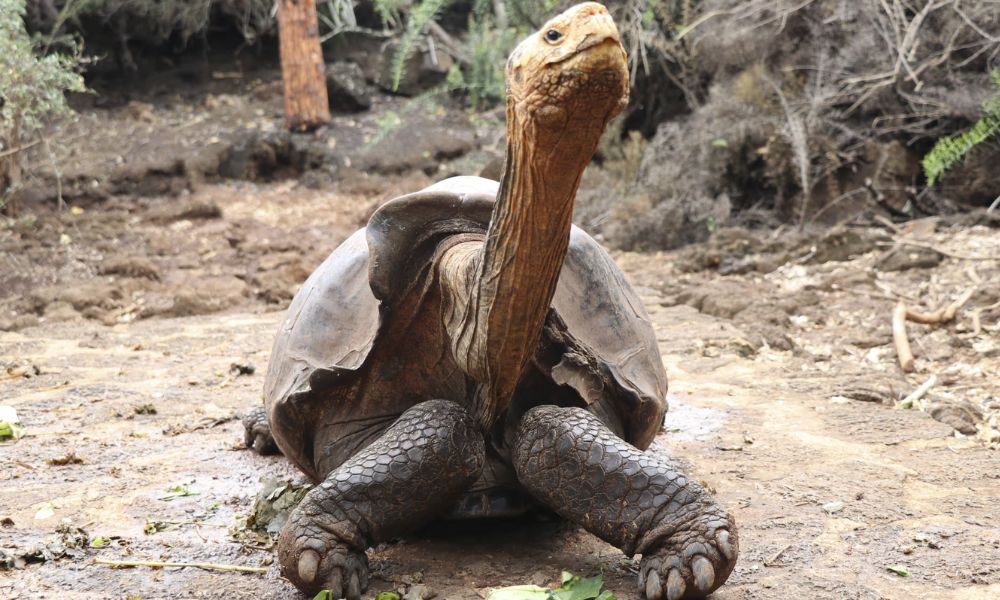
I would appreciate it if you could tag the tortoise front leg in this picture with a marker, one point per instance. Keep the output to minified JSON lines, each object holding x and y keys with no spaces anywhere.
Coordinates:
{"x":414,"y":472}
{"x":572,"y":462}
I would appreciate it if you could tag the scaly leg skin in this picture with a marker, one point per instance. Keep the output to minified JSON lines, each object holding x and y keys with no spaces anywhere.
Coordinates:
{"x":572,"y":462}
{"x":257,"y":432}
{"x":413,"y":473}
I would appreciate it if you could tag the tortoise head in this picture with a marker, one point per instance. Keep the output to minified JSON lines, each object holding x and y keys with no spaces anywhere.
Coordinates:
{"x":572,"y":70}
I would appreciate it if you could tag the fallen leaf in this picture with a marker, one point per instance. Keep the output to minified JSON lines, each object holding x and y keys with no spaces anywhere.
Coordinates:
{"x":520,"y":592}
{"x":900,"y":570}
{"x":45,"y":511}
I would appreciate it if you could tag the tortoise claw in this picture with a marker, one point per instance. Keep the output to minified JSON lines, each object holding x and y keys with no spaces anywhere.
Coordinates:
{"x":336,"y":583}
{"x":704,"y":574}
{"x":308,"y":565}
{"x":693,"y":568}
{"x":354,"y":588}
{"x":725,"y":545}
{"x":654,"y":591}
{"x":675,"y":585}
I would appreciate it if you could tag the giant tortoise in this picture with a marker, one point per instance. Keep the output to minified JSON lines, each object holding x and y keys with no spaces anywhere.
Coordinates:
{"x":471,"y":348}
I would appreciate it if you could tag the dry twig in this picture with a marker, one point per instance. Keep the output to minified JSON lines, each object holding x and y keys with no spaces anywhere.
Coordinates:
{"x":948,"y":253}
{"x":941,"y":315}
{"x":918,"y":393}
{"x":901,"y":314}
{"x":899,"y":338}
{"x":206,"y":566}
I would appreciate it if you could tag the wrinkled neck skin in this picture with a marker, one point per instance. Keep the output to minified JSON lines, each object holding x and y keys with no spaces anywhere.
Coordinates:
{"x":498,"y":294}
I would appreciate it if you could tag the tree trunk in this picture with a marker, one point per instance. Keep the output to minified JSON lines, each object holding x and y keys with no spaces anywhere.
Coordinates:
{"x":10,"y":172}
{"x":306,"y":104}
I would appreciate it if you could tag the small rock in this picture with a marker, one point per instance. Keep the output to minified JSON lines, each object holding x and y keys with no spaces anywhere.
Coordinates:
{"x":420,"y":592}
{"x":60,"y":311}
{"x":208,"y":295}
{"x":844,"y":244}
{"x":347,"y":88}
{"x":902,"y":258}
{"x":963,"y":416}
{"x":724,"y":305}
{"x":833,"y":507}
{"x":130,"y":266}
{"x":237,"y":369}
{"x":18,"y":322}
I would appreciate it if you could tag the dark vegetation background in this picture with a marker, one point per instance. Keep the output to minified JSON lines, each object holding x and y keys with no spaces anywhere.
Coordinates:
{"x":753,"y":112}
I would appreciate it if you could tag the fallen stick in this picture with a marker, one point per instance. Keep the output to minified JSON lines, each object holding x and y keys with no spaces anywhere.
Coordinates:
{"x":207,"y":566}
{"x":977,"y":314}
{"x":901,"y":314}
{"x":939,"y":250}
{"x":942,"y":315}
{"x":918,"y":393}
{"x":899,"y":338}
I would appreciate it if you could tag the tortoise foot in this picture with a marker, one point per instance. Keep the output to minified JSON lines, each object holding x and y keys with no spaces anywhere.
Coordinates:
{"x":415,"y":471}
{"x":257,"y":432}
{"x":692,"y":563}
{"x":314,"y":562}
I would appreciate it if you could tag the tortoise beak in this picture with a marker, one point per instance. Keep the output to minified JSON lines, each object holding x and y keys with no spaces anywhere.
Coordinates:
{"x":601,"y":29}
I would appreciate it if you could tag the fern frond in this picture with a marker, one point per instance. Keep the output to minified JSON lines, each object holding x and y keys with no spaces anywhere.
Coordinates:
{"x":947,"y":152}
{"x":420,"y":17}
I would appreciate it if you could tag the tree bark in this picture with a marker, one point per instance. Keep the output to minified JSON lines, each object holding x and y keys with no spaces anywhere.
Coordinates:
{"x":10,"y":172}
{"x":306,"y":104}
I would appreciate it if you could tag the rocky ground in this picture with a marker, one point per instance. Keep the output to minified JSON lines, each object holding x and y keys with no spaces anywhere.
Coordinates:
{"x":138,"y":320}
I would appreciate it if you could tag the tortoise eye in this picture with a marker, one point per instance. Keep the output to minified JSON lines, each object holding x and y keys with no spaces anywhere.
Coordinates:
{"x":553,"y":36}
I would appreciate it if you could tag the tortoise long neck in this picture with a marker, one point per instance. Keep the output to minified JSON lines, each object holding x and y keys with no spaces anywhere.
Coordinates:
{"x":525,"y":247}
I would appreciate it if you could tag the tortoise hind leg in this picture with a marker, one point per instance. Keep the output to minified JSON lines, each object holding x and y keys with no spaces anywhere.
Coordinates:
{"x":415,"y":471}
{"x":257,"y":432}
{"x":569,"y":460}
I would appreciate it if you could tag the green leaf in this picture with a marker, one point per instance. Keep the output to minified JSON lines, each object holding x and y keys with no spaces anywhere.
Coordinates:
{"x":520,"y":592}
{"x":324,"y":595}
{"x":900,"y":570}
{"x":100,"y":542}
{"x":178,"y":491}
{"x":575,"y":588}
{"x":10,"y":425}
{"x":606,"y":596}
{"x":387,"y":596}
{"x":46,"y":511}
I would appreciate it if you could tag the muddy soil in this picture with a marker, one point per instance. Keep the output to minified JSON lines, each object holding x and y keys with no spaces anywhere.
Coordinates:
{"x":129,"y":318}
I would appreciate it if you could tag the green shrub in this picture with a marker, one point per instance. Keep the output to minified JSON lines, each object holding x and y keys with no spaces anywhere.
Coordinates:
{"x":948,"y":151}
{"x":156,"y":21}
{"x":32,"y":90}
{"x":420,"y":17}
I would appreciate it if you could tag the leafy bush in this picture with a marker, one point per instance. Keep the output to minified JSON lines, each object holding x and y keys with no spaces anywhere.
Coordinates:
{"x":948,"y":151}
{"x":155,"y":21}
{"x":32,"y":90}
{"x":804,"y":110}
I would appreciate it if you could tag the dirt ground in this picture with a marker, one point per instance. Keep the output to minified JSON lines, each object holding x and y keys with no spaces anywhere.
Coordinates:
{"x":828,"y":490}
{"x":127,"y":323}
